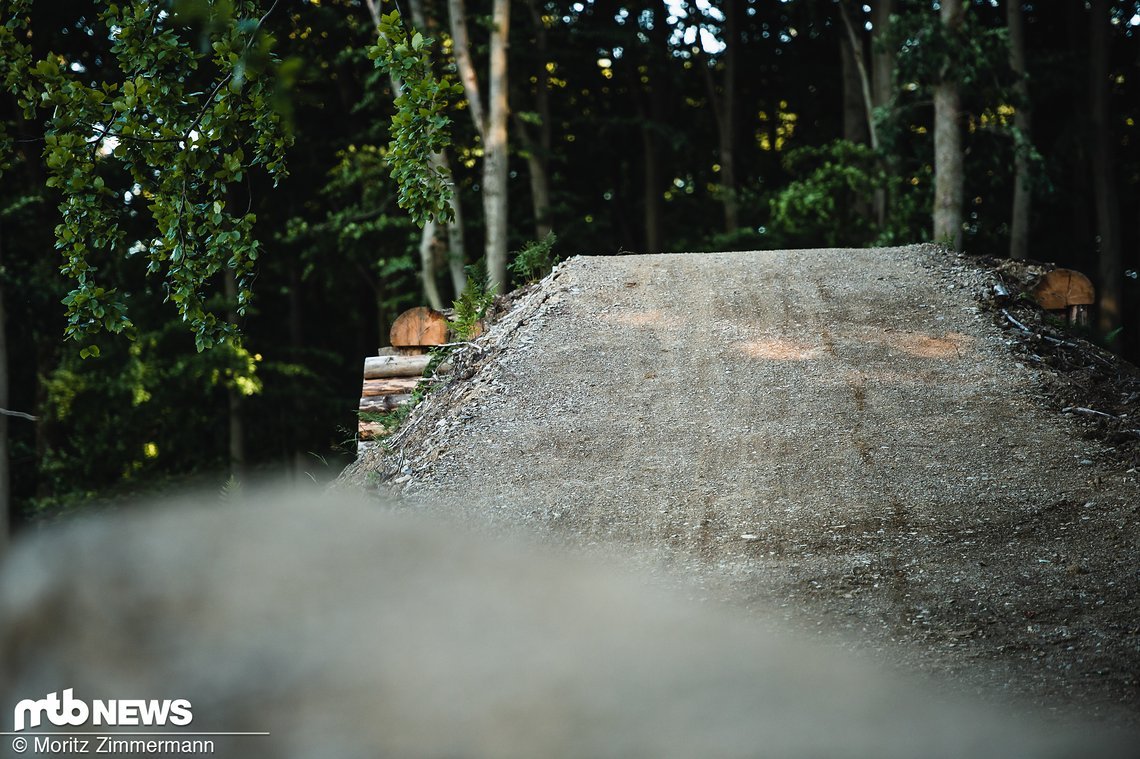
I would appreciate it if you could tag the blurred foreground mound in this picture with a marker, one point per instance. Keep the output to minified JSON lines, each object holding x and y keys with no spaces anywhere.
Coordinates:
{"x":345,"y":629}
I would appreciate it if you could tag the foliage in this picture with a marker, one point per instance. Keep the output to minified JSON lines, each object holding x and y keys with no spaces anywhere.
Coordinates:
{"x":628,"y":112}
{"x":148,"y":142}
{"x":975,"y":55}
{"x":535,"y":260}
{"x":822,"y":205}
{"x":420,"y":123}
{"x":473,"y":304}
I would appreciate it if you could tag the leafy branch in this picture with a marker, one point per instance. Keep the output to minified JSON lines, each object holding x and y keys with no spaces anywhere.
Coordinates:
{"x":420,"y":125}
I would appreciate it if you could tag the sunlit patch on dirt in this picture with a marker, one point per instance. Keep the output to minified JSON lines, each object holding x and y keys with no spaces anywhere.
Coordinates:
{"x":776,"y":349}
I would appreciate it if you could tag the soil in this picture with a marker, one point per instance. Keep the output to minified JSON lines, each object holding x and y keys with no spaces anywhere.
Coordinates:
{"x":870,"y":444}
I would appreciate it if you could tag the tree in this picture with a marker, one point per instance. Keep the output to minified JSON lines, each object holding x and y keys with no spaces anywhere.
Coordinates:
{"x":1022,"y":191}
{"x":1104,"y":181}
{"x":949,"y":160}
{"x":154,"y":118}
{"x":430,"y":238}
{"x":491,"y":125}
{"x":652,"y":99}
{"x":858,"y":95}
{"x":724,"y":109}
{"x":882,"y":81}
{"x":534,"y":129}
{"x":5,"y":477}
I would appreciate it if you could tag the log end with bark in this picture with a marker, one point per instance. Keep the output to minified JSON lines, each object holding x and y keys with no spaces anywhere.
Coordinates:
{"x":1066,"y":290}
{"x":419,"y":327}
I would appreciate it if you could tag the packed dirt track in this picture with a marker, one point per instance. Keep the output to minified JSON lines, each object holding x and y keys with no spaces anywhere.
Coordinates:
{"x":842,"y":436}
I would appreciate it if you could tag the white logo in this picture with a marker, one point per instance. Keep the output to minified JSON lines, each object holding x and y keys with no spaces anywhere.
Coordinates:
{"x":75,"y":712}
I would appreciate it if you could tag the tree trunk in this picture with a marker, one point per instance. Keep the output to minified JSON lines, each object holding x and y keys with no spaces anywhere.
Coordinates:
{"x":882,"y":82}
{"x":725,"y":111}
{"x":428,"y":243}
{"x":1104,"y":185}
{"x":6,"y":503}
{"x":492,"y":128}
{"x":233,"y":395}
{"x":1022,"y":194}
{"x":297,"y":458}
{"x":456,"y":242}
{"x":854,"y":110}
{"x":429,"y":236}
{"x":949,"y":169}
{"x":858,"y":77}
{"x":652,"y":190}
{"x":495,"y":150}
{"x":538,"y":147}
{"x":652,"y":121}
{"x":461,"y":49}
{"x":882,"y":60}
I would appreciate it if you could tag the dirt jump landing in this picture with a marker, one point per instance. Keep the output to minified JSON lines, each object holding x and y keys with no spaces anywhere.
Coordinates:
{"x":840,"y":434}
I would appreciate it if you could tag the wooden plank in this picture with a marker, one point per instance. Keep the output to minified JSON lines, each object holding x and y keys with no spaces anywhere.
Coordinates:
{"x":388,"y":350}
{"x":389,"y":386}
{"x":383,"y":403}
{"x":418,"y":327}
{"x":381,"y":367}
{"x":370,"y":430}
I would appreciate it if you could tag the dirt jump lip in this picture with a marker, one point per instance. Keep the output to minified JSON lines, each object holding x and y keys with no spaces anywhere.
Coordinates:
{"x":850,"y":411}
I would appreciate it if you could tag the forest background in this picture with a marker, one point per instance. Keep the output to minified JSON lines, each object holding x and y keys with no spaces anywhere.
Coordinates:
{"x":200,"y":236}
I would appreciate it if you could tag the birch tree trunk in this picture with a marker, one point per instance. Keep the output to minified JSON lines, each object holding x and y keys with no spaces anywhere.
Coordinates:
{"x":429,"y":241}
{"x":495,"y":156}
{"x":491,"y":126}
{"x":1022,"y":121}
{"x":949,"y":169}
{"x":1104,"y":186}
{"x":456,"y":239}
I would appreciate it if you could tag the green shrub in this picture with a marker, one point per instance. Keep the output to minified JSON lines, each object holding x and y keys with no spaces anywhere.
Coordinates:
{"x":534,"y":261}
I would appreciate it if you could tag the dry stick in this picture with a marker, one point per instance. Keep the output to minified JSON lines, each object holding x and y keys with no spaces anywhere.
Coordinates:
{"x":1053,"y":340}
{"x":1083,"y":410}
{"x":458,"y":344}
{"x":20,"y":414}
{"x":1094,"y":412}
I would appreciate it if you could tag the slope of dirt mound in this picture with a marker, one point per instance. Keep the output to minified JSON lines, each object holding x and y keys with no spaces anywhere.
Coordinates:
{"x":840,"y":434}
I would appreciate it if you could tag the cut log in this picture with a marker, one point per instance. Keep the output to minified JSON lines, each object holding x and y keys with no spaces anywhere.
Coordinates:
{"x":381,"y":367}
{"x":1062,"y":288}
{"x":383,"y":403}
{"x":370,"y":430}
{"x":419,"y":327}
{"x":389,"y":386}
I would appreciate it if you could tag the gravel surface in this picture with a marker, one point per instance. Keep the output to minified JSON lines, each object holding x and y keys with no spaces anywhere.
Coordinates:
{"x":840,"y":435}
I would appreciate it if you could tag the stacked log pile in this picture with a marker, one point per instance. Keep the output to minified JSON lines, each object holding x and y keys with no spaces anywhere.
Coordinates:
{"x":391,"y":377}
